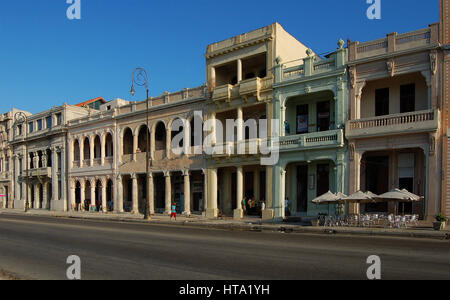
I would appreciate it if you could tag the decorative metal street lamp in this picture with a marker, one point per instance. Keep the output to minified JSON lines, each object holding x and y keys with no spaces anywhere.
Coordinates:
{"x":140,"y":78}
{"x":20,"y":119}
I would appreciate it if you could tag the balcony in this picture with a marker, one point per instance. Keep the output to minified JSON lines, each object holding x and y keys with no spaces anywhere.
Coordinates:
{"x":39,"y":173}
{"x":245,"y":89}
{"x":247,"y":147}
{"x":325,"y":139}
{"x":414,"y":122}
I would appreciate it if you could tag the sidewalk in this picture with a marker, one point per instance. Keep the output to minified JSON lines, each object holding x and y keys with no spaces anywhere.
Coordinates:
{"x":247,"y":224}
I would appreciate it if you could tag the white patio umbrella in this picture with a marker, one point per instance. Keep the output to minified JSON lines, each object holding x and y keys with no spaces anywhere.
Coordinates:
{"x":400,"y":196}
{"x":328,"y":198}
{"x":361,"y":197}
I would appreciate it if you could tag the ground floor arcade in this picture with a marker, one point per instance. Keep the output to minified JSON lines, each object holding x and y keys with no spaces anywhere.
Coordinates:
{"x":128,"y":193}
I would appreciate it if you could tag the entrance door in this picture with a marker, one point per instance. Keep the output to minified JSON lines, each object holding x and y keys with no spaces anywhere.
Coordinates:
{"x":377,"y":181}
{"x":406,"y":162}
{"x":302,"y":189}
{"x":323,"y":116}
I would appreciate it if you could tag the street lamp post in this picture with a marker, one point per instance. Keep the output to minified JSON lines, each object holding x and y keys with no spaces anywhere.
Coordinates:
{"x":20,"y":118}
{"x":140,"y":78}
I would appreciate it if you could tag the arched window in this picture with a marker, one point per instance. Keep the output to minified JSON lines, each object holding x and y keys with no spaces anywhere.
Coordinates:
{"x":128,"y":142}
{"x":144,"y":134}
{"x":76,"y":151}
{"x":87,"y":149}
{"x":97,"y":147}
{"x":160,"y":136}
{"x":109,"y":145}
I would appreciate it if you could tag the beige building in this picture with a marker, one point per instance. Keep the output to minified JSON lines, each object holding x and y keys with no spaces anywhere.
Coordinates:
{"x":240,"y":78}
{"x":7,"y":158}
{"x":107,"y":152}
{"x":394,"y":128}
{"x":39,"y":158}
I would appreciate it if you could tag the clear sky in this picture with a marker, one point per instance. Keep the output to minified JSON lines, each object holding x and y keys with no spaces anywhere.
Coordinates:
{"x":47,"y":59}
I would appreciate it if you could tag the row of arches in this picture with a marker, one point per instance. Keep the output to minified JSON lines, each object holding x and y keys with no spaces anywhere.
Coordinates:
{"x":89,"y":195}
{"x":144,"y":139}
{"x":82,"y":148}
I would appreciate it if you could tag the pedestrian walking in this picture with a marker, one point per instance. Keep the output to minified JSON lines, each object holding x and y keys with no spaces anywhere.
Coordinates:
{"x":286,"y":207}
{"x":244,"y":204}
{"x":174,"y":212}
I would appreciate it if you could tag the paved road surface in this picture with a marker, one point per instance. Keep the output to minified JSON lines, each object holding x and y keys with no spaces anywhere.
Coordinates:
{"x":37,"y":248}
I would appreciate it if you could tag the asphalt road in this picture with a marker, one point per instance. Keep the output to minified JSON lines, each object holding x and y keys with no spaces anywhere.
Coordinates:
{"x":38,"y":247}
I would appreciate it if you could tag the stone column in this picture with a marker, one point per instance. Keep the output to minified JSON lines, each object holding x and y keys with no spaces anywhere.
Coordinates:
{"x":212,"y":211}
{"x":119,"y":193}
{"x":93,"y":185}
{"x":91,"y":151}
{"x":152,"y":144}
{"x":44,"y":194}
{"x":37,"y":200}
{"x":135,"y":194}
{"x":104,"y":202}
{"x":205,"y":190}
{"x":55,"y":180}
{"x":239,"y":70}
{"x":187,"y":193}
{"x":62,"y":184}
{"x":81,"y":152}
{"x":70,"y":153}
{"x":240,"y":132}
{"x":151,"y":194}
{"x":102,"y":150}
{"x":168,"y":143}
{"x":239,"y":213}
{"x":135,"y":145}
{"x":187,"y":138}
{"x":168,"y":193}
{"x":72,"y":194}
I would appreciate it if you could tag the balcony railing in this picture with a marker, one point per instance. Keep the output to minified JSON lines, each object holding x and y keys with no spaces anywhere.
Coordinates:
{"x":40,"y":172}
{"x":245,"y":89}
{"x":395,"y":42}
{"x":311,"y":140}
{"x":420,"y":121}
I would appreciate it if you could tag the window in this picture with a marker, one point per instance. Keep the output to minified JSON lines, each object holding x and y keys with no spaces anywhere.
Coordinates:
{"x":58,"y":119}
{"x":323,"y":116}
{"x":302,"y":119}
{"x":407,"y":98}
{"x":39,"y":125}
{"x":19,"y":130}
{"x":7,"y":164}
{"x":31,"y":127}
{"x":48,"y":120}
{"x":381,"y":102}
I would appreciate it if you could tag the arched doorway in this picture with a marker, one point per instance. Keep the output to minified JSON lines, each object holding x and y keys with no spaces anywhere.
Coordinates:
{"x":77,"y":196}
{"x":109,"y":195}
{"x":128,"y":142}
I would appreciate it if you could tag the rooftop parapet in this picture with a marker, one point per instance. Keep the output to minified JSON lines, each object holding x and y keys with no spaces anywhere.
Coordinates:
{"x":395,"y":43}
{"x":311,"y":65}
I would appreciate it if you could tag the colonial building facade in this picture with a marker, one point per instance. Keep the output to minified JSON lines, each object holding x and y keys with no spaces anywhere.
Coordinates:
{"x":365,"y":117}
{"x":311,"y":106}
{"x":40,"y":163}
{"x":394,"y":128}
{"x":108,"y":150}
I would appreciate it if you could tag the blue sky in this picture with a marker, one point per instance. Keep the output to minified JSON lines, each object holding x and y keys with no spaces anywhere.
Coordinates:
{"x":46,"y":59}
